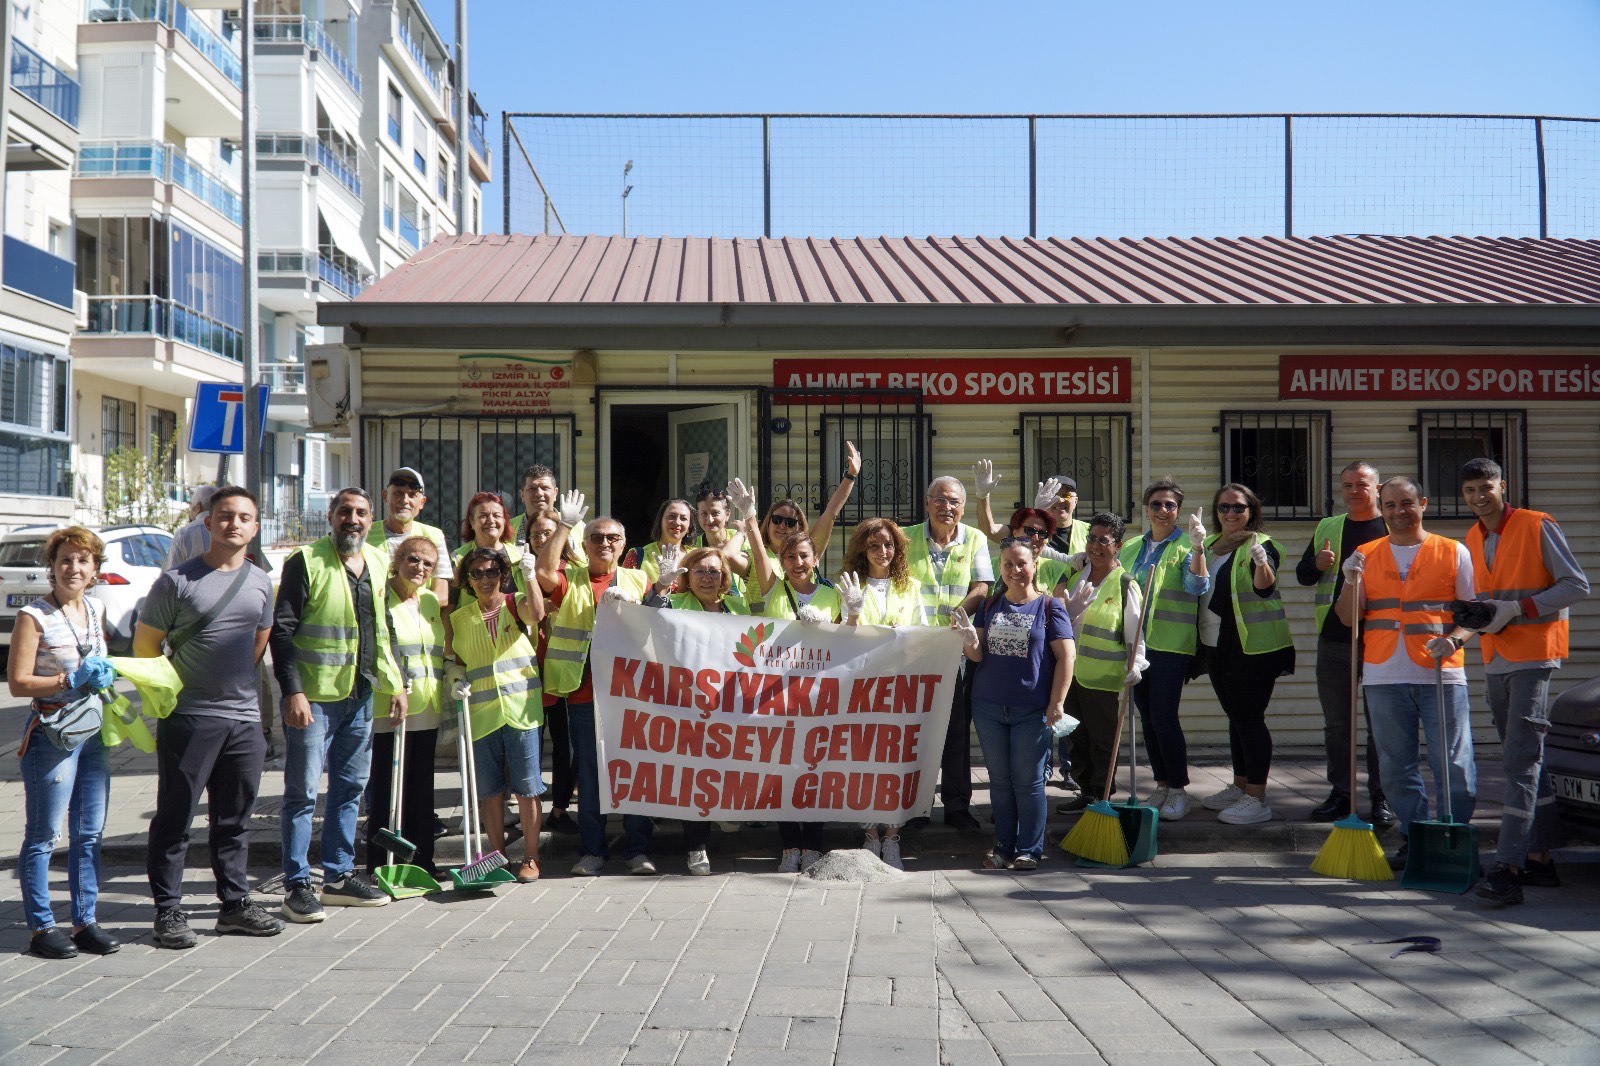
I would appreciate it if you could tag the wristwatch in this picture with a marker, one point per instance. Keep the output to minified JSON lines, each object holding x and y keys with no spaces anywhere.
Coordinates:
{"x":1459,"y":642}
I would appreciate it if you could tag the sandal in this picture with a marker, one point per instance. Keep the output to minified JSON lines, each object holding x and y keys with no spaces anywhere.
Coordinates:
{"x":993,"y":861}
{"x":1025,"y":862}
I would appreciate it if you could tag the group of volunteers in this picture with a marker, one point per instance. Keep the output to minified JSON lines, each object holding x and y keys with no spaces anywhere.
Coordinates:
{"x":379,"y":622}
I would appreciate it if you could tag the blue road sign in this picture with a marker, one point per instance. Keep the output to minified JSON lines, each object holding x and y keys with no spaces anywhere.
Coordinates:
{"x":218,"y":422}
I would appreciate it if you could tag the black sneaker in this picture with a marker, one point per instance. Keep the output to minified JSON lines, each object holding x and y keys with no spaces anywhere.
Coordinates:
{"x":1502,"y":885}
{"x":1540,"y":874}
{"x":248,"y":918}
{"x":300,"y":903}
{"x":963,"y":820}
{"x":52,"y":943}
{"x":172,"y":929}
{"x":562,"y":823}
{"x":352,"y":890}
{"x":1336,"y":806}
{"x":1074,"y":805}
{"x":95,"y":940}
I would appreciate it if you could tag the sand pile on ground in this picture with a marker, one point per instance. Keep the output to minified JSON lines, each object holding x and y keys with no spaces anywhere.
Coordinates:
{"x":854,"y":864}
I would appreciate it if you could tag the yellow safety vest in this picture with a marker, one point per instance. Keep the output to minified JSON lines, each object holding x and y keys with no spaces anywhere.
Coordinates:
{"x":1261,"y":620}
{"x":943,"y":592}
{"x":687,"y":601}
{"x":1102,"y":650}
{"x":903,"y":608}
{"x":1173,"y":613}
{"x":502,"y":669}
{"x":825,"y":598}
{"x":419,"y":649}
{"x":573,"y":626}
{"x":328,"y":639}
{"x":1330,"y":529}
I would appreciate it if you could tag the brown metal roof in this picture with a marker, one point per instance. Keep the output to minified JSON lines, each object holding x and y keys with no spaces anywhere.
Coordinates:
{"x":994,"y":272}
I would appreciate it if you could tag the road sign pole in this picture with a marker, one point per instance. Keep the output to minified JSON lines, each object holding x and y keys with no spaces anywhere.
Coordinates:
{"x":252,"y":310}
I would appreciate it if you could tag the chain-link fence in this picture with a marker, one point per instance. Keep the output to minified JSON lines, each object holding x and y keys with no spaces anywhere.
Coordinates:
{"x":750,"y":175}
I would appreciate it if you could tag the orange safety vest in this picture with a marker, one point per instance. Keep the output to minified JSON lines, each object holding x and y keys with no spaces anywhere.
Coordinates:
{"x":1518,"y":572}
{"x":1418,"y":607}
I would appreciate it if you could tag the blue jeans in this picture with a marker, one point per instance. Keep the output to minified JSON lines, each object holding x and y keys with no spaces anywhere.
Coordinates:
{"x":636,"y":828}
{"x":57,"y":784}
{"x":1397,"y":712}
{"x":1016,"y":750}
{"x":1520,"y":704}
{"x":340,"y":738}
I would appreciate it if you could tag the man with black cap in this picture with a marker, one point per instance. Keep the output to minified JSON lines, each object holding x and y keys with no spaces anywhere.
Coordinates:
{"x":403,"y":499}
{"x":1071,"y":535}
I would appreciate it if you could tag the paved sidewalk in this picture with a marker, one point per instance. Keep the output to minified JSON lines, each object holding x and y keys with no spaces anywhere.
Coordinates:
{"x":1199,"y":959}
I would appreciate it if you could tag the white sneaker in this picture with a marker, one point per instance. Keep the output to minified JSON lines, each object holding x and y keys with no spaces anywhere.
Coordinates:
{"x":1248,"y":811}
{"x":874,"y":845}
{"x":891,"y":853}
{"x":808,"y":859}
{"x":1221,"y":801}
{"x":641,"y":864}
{"x":1175,"y":806}
{"x":1157,"y":797}
{"x":729,"y":827}
{"x":790,"y":863}
{"x":588,"y":866}
{"x":699,"y":863}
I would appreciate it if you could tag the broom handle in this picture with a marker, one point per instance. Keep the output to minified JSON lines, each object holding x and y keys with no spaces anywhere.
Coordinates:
{"x":1122,"y":703}
{"x":1355,"y":691}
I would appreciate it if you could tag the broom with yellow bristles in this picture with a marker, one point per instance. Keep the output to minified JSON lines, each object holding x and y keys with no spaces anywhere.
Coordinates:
{"x":1098,"y":836}
{"x":1352,"y":849}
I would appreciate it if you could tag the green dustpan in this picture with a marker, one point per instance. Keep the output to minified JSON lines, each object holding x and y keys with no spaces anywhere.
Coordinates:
{"x":1138,"y":829}
{"x":1441,"y":856}
{"x":487,"y":883}
{"x":404,"y":882}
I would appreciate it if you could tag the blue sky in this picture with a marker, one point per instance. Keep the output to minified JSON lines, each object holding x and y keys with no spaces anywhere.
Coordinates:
{"x":1528,"y":57}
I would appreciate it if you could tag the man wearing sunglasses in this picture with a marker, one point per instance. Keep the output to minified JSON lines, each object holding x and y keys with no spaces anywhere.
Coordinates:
{"x":403,"y":500}
{"x":572,"y":591}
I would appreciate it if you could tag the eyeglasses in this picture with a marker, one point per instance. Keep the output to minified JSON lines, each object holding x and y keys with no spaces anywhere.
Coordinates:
{"x":482,"y":574}
{"x":1233,"y":508}
{"x":948,"y":501}
{"x":786,"y":521}
{"x":419,"y":560}
{"x":604,"y":538}
{"x":706,"y":571}
{"x":1035,"y":531}
{"x":1162,"y":505}
{"x":1103,"y":541}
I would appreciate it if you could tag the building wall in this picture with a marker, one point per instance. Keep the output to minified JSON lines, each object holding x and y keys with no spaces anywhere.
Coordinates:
{"x":1188,"y":388}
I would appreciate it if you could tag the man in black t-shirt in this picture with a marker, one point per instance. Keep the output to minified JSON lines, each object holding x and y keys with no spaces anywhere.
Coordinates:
{"x":1335,"y":540}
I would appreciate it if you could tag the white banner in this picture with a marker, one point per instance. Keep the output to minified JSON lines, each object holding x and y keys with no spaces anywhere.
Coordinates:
{"x":759,"y":719}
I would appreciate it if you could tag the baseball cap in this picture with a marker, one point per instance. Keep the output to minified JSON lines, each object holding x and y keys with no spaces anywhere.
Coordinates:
{"x":1067,"y":484}
{"x":408,"y":478}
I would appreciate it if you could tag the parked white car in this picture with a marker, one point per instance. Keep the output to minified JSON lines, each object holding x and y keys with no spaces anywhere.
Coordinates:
{"x":135,"y":556}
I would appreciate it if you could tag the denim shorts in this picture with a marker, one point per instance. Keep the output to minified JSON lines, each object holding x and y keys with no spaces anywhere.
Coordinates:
{"x":509,"y":758}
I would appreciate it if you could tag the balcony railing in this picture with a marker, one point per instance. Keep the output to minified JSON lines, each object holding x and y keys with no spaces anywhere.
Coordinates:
{"x":418,"y":53}
{"x":297,"y":29}
{"x":284,"y":377}
{"x":299,"y":261}
{"x":44,"y":83}
{"x":409,"y":234}
{"x":156,"y":316}
{"x":163,"y":162}
{"x":479,"y":140}
{"x":37,"y":272}
{"x":340,"y":166}
{"x":341,"y":280}
{"x":217,"y":51}
{"x":281,"y":144}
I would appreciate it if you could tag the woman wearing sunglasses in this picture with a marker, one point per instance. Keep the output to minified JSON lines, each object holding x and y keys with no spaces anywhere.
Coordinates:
{"x":1180,"y":579}
{"x":417,"y":629}
{"x":498,"y":676}
{"x":1246,"y":635}
{"x":785,"y":518}
{"x":541,"y":524}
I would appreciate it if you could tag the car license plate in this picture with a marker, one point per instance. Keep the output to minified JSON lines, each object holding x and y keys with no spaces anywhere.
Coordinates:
{"x":20,"y":599}
{"x":1581,"y":789}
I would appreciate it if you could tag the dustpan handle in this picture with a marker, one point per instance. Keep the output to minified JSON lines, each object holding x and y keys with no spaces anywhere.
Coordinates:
{"x":1444,"y":738}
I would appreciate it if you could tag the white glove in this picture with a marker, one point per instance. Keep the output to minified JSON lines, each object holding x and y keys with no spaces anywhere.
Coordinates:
{"x":461,"y":689}
{"x":1047,"y":493}
{"x":851,"y":592}
{"x":667,"y":564}
{"x":1258,"y":555}
{"x":1078,"y":560}
{"x":529,"y":564}
{"x":1136,"y":672}
{"x":984,"y":478}
{"x":1078,"y":599}
{"x":810,"y":616}
{"x":743,"y":498}
{"x":572,"y":508}
{"x":962,"y":624}
{"x":1504,"y":612}
{"x":1197,"y":529}
{"x":669,"y":577}
{"x":1441,"y":647}
{"x":617,"y":595}
{"x":455,"y":679}
{"x":1354,"y":567}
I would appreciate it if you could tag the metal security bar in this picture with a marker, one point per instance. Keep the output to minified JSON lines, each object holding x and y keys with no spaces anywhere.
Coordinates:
{"x":1282,"y":457}
{"x":1448,"y":439}
{"x":459,"y":456}
{"x":1093,"y":449}
{"x":800,"y":436}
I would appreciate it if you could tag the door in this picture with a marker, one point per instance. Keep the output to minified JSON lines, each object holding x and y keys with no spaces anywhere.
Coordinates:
{"x":701,"y":445}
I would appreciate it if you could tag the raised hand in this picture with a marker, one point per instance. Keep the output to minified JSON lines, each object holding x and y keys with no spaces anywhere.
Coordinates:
{"x":743,"y":498}
{"x":1047,"y":493}
{"x":984,"y":478}
{"x":1325,"y":557}
{"x":852,"y":459}
{"x":1078,"y":600}
{"x":961,"y":622}
{"x":573,"y":508}
{"x":1197,"y":529}
{"x":1258,"y":554}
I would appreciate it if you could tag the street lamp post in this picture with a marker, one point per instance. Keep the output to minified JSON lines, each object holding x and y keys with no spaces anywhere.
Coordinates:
{"x":626,"y":189}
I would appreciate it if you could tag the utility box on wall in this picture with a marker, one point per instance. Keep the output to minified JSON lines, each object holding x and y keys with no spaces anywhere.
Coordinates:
{"x":328,"y":387}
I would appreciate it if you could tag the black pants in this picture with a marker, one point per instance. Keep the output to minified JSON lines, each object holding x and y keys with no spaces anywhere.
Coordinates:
{"x":221,"y":758}
{"x":1333,"y":688}
{"x":955,"y":766}
{"x":555,"y":727}
{"x":1092,"y":741}
{"x":416,"y":795}
{"x":806,"y":836}
{"x":1244,"y":694}
{"x":696,"y":835}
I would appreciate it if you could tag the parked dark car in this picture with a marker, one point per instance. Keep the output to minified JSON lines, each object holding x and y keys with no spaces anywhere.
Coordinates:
{"x":1572,"y":757}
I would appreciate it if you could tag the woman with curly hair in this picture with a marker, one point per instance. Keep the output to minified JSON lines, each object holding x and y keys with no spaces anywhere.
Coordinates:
{"x":875,"y":564}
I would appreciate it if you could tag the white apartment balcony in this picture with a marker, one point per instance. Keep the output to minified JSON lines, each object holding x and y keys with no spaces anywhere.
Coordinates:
{"x":296,"y":279}
{"x":162,"y":173}
{"x":157,"y":343}
{"x":42,"y":129}
{"x":286,"y":392}
{"x":329,"y":156}
{"x":418,"y":55}
{"x":202,"y":68}
{"x":35,"y":285}
{"x":281,"y":34}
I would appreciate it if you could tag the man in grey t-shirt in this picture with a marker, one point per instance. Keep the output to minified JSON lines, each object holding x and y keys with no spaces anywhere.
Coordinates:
{"x":216,"y":612}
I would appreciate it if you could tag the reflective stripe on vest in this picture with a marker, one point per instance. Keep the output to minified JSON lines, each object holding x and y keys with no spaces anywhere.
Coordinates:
{"x":1330,"y":530}
{"x":419,"y":651}
{"x":501,"y":669}
{"x":824,"y":598}
{"x":943,"y":592}
{"x":1261,"y":621}
{"x":1102,"y":650}
{"x":899,"y":608}
{"x":327,"y":641}
{"x":1413,"y":611}
{"x":1519,"y":572}
{"x":1173,"y":615}
{"x":573,"y":625}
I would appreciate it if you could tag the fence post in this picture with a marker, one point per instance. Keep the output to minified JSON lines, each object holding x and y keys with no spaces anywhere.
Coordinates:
{"x":766,"y":175}
{"x":505,"y":173}
{"x":1544,"y":189}
{"x":1033,"y":175}
{"x":1288,"y":175}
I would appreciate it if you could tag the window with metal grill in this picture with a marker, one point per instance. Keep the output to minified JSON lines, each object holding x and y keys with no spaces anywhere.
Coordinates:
{"x":118,"y":426}
{"x":1282,"y":456}
{"x":1447,"y":440}
{"x":1095,"y":450}
{"x":894,"y":458}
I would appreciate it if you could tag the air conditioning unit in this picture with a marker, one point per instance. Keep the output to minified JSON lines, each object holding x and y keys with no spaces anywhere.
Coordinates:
{"x":80,"y":309}
{"x":327,"y":386}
